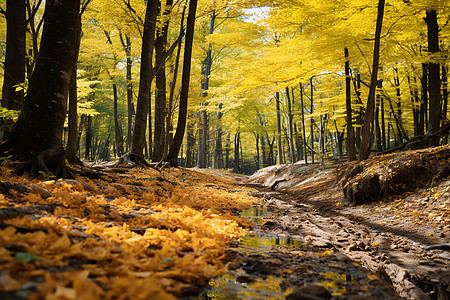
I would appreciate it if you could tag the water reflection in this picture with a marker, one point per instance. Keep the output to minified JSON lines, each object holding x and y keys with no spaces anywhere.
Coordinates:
{"x":229,"y":287}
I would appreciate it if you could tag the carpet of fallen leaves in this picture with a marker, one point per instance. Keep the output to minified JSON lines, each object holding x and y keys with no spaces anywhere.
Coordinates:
{"x":135,"y":234}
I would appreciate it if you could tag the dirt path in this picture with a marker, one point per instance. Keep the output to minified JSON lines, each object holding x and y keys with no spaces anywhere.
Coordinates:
{"x":383,"y":240}
{"x":306,"y":234}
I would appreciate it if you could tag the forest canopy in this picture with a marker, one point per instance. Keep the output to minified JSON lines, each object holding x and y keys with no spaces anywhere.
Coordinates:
{"x":248,"y":84}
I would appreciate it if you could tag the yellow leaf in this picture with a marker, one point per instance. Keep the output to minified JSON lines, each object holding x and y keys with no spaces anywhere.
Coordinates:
{"x":287,"y":271}
{"x":436,"y":195}
{"x":373,"y":277}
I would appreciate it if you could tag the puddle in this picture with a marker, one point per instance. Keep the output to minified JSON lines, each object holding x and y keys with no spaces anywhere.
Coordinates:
{"x":251,"y":242}
{"x":231,"y":286}
{"x":255,"y":215}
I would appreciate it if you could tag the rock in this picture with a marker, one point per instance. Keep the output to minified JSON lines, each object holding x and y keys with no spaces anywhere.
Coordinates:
{"x":245,"y":279}
{"x":43,"y":192}
{"x":309,"y":292}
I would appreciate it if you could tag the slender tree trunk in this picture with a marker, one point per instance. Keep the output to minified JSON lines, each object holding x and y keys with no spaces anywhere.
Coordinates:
{"x":236,"y":152}
{"x":181,"y":126}
{"x":117,"y":129}
{"x":444,"y":99}
{"x":143,"y":101}
{"x":32,"y":10}
{"x":88,"y":144}
{"x":399,"y":106}
{"x":14,"y":67}
{"x":257,"y":151}
{"x":290,"y":128}
{"x":172,"y":89}
{"x":351,"y":151}
{"x":359,"y":119}
{"x":424,"y":100}
{"x":365,"y":141}
{"x":303,"y":125}
{"x":434,"y":77}
{"x":279,"y":147}
{"x":227,"y":152}
{"x":312,"y":121}
{"x":130,"y":105}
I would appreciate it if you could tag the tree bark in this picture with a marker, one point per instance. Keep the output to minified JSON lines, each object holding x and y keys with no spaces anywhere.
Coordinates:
{"x":14,"y":67}
{"x":290,"y":128}
{"x":160,"y":97}
{"x":37,"y":136}
{"x":117,"y":128}
{"x":279,"y":147}
{"x":303,"y":125}
{"x":434,"y":84}
{"x":72,"y":140}
{"x":182,"y":112}
{"x":444,"y":99}
{"x":142,"y":109}
{"x":172,"y":89}
{"x":351,"y":150}
{"x":365,"y":140}
{"x":236,"y":168}
{"x":312,"y":121}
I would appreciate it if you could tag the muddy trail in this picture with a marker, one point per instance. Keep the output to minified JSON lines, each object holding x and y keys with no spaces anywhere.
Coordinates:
{"x":309,"y":243}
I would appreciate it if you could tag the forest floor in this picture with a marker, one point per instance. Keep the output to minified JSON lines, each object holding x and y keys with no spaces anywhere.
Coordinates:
{"x":285,"y":232}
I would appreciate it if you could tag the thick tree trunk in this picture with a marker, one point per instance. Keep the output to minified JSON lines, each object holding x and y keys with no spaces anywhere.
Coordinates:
{"x":143,"y":101}
{"x":182,"y":112}
{"x":434,"y":84}
{"x":72,"y":140}
{"x":37,"y":135}
{"x":365,"y":140}
{"x":14,"y":67}
{"x":160,"y":97}
{"x":351,"y":150}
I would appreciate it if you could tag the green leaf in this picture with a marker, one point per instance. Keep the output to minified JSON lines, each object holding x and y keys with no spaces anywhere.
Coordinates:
{"x":166,"y":260}
{"x":26,"y":257}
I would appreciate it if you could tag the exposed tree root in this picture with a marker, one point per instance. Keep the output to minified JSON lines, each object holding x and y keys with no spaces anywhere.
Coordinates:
{"x":14,"y":212}
{"x":50,"y":162}
{"x":419,"y":142}
{"x":131,"y":160}
{"x":390,"y":175}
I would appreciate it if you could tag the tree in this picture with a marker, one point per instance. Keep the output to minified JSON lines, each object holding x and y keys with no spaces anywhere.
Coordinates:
{"x":434,"y":83}
{"x":351,"y":151}
{"x":172,"y":157}
{"x":36,"y":139}
{"x":135,"y":155}
{"x":14,"y":76}
{"x":368,"y":117}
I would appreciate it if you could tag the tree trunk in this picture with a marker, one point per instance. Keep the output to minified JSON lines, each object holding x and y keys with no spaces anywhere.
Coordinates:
{"x":182,"y":112}
{"x":14,"y":67}
{"x":399,"y":107}
{"x":88,"y":137}
{"x":290,"y":128}
{"x":351,"y":150}
{"x":279,"y":147}
{"x":236,"y":168}
{"x":37,"y":135}
{"x":126,"y":44}
{"x":312,"y":121}
{"x":434,"y":84}
{"x":365,"y":140}
{"x":160,"y":97}
{"x":376,"y":120}
{"x":72,"y":140}
{"x":444,"y":99}
{"x":143,"y":101}
{"x":172,"y":89}
{"x":303,"y":125}
{"x":424,"y":100}
{"x":117,"y":128}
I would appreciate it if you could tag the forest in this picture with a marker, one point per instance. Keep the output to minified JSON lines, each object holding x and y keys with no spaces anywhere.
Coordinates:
{"x":224,"y":149}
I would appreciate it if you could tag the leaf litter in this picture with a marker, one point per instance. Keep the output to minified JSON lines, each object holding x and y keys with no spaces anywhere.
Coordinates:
{"x":137,"y":235}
